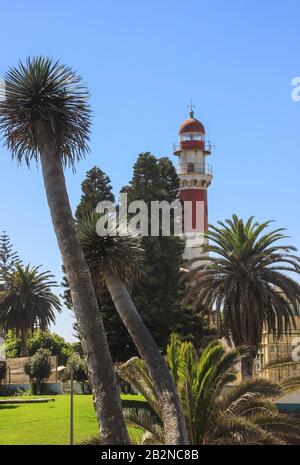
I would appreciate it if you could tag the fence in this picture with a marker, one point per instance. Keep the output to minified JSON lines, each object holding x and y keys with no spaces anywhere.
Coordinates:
{"x":16,"y":375}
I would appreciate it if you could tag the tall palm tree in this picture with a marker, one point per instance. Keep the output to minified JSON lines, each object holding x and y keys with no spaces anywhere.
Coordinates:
{"x":117,"y":260}
{"x":27,"y":301}
{"x":216,"y":411}
{"x":45,"y":115}
{"x":244,"y":283}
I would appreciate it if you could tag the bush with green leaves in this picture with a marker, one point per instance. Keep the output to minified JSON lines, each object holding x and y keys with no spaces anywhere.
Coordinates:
{"x":41,"y":340}
{"x":54,"y":343}
{"x":80,"y":372}
{"x":38,"y":368}
{"x":12,"y":345}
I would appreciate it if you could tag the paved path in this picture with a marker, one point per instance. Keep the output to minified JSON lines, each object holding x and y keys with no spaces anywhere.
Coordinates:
{"x":13,"y":400}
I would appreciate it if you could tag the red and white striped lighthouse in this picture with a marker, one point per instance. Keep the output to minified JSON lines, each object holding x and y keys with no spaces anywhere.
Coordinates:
{"x":195,"y":178}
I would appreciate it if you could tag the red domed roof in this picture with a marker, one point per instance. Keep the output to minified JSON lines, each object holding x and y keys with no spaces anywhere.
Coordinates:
{"x":191,"y":125}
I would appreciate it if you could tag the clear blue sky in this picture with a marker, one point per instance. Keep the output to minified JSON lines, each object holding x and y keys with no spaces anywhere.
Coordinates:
{"x":143,"y":61}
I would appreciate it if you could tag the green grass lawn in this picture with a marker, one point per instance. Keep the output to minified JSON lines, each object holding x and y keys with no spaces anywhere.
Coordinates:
{"x":49,"y":423}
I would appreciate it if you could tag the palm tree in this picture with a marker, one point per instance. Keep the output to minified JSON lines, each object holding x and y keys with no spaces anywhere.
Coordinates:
{"x":244,"y":283}
{"x":45,"y":115}
{"x":27,"y":302}
{"x":117,"y":261}
{"x":216,"y":411}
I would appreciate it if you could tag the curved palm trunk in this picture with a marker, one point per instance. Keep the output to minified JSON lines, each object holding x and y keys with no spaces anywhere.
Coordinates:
{"x":247,"y":367}
{"x":106,"y":395}
{"x":172,"y":415}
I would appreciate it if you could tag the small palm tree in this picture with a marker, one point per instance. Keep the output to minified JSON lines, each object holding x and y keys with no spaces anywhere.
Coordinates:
{"x":27,"y":302}
{"x":117,"y":260}
{"x":216,"y":411}
{"x":45,"y":116}
{"x":244,"y":283}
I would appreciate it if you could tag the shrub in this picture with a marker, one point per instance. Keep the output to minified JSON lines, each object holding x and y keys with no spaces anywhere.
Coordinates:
{"x":40,"y":340}
{"x":80,"y":372}
{"x":54,"y":343}
{"x":38,"y":368}
{"x":12,"y":345}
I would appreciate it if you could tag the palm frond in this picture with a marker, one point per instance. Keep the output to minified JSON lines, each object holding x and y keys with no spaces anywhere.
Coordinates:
{"x":256,"y":387}
{"x":148,"y":422}
{"x":92,"y":441}
{"x":284,"y":427}
{"x":238,"y":430}
{"x":119,"y":250}
{"x":43,"y":104}
{"x":135,"y":372}
{"x":290,"y":385}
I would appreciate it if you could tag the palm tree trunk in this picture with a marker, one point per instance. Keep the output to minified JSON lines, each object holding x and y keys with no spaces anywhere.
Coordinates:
{"x":247,"y":367}
{"x":105,"y":390}
{"x":172,"y":415}
{"x":24,"y":343}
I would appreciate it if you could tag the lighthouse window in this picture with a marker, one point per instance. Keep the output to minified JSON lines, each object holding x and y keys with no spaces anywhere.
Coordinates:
{"x":190,"y":167}
{"x":192,"y":137}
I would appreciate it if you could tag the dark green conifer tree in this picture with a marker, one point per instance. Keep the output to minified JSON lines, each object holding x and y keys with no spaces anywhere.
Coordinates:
{"x":95,"y":188}
{"x":8,"y":256}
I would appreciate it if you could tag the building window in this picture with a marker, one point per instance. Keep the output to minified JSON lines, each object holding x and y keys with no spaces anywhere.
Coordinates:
{"x":190,"y":167}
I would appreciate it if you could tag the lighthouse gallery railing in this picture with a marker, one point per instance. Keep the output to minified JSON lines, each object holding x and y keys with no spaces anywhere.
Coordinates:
{"x":195,"y":168}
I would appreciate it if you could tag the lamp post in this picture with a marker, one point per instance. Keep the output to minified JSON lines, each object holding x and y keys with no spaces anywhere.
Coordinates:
{"x":72,"y":365}
{"x":69,"y":375}
{"x":71,"y":405}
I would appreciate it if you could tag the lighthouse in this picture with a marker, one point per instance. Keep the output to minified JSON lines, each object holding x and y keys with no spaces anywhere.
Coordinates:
{"x":195,"y":177}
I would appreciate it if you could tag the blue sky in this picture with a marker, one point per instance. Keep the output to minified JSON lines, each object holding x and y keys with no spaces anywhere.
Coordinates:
{"x":143,"y":61}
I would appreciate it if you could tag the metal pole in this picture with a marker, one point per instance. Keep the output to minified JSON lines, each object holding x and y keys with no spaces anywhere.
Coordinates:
{"x":71,"y":407}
